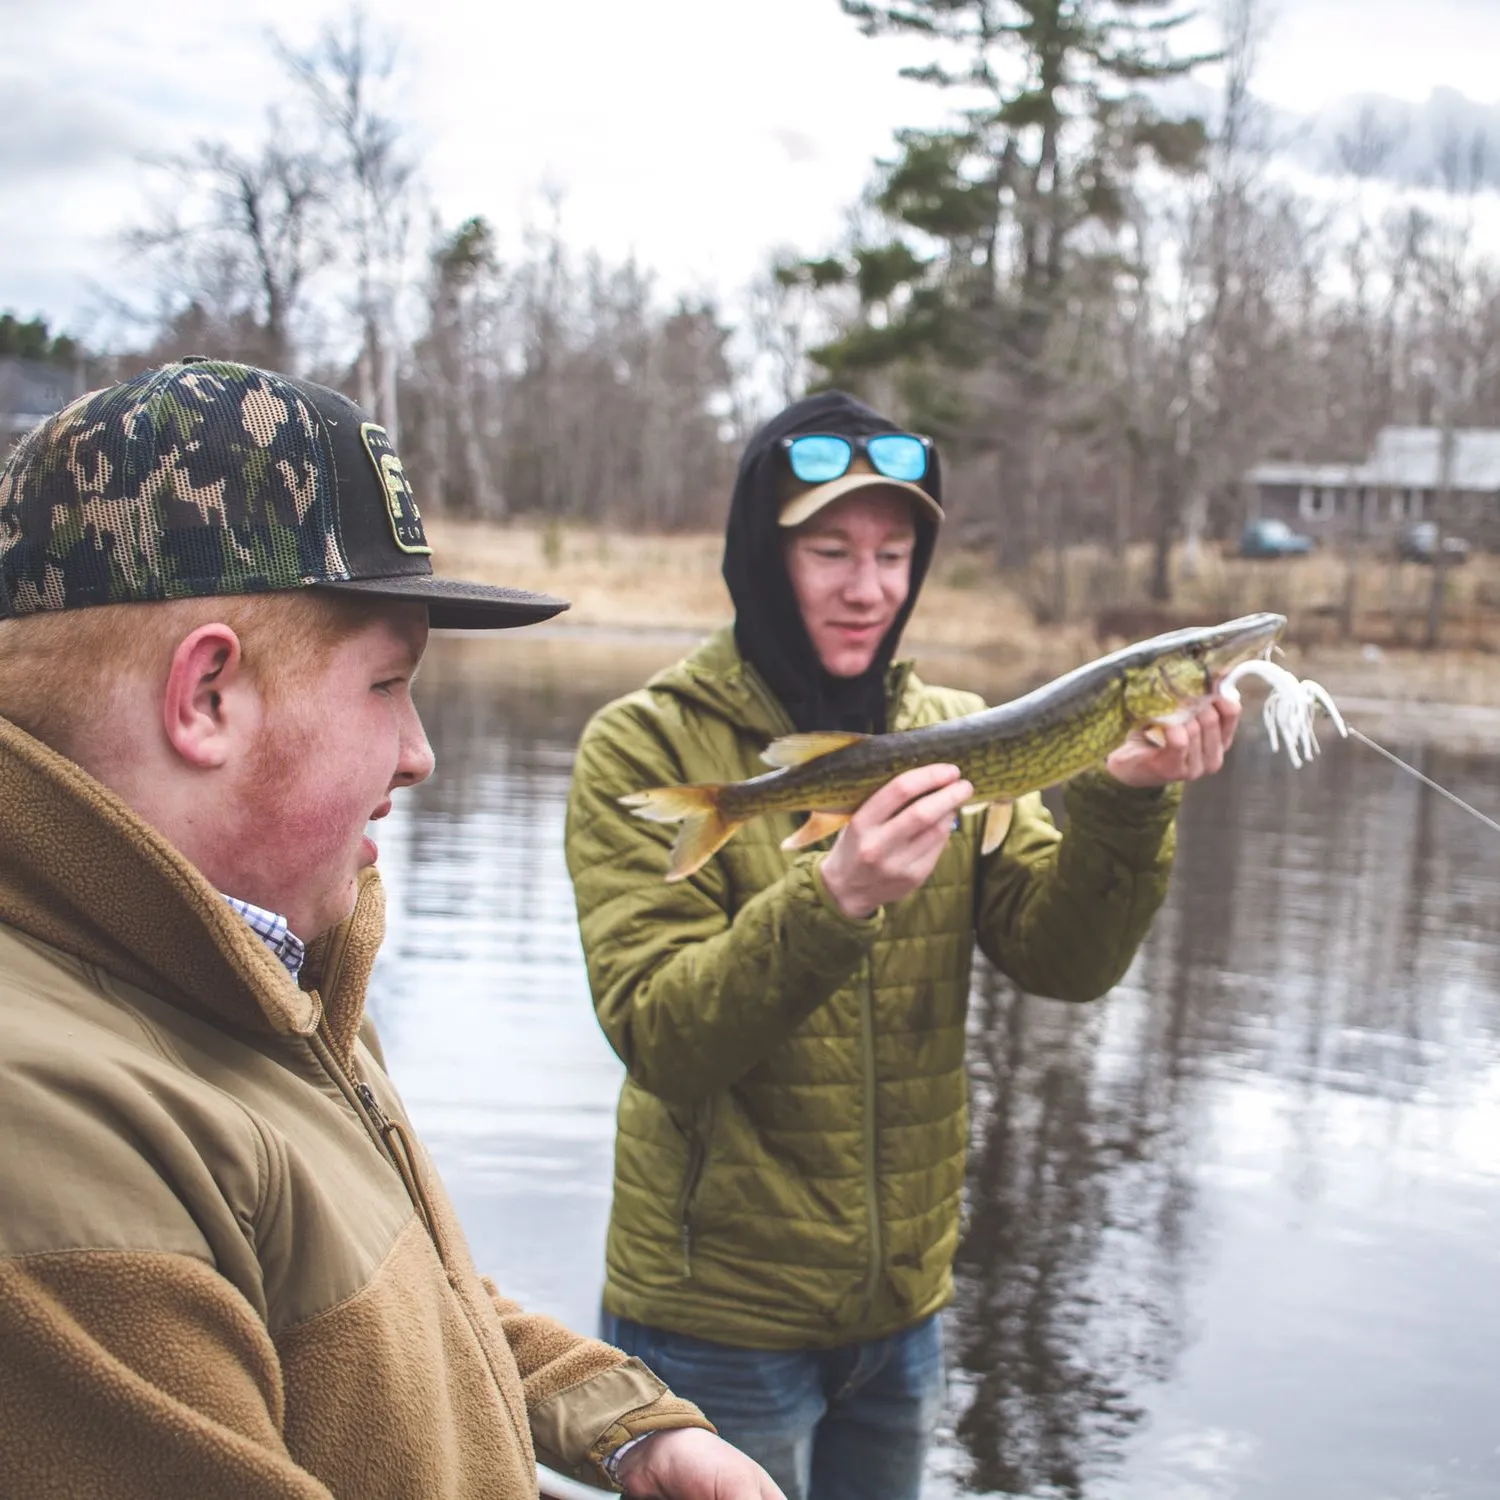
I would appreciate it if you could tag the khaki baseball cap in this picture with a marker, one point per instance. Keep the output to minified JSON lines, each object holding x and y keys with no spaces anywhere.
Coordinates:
{"x":805,"y":501}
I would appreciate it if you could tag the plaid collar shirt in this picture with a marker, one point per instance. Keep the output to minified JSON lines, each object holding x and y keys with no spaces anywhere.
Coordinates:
{"x":270,"y":927}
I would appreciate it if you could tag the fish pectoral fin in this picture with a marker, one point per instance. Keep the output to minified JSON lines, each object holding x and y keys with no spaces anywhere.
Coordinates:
{"x":798,"y":749}
{"x":819,"y":826}
{"x":701,"y":836}
{"x":996,"y":826}
{"x":1156,"y":735}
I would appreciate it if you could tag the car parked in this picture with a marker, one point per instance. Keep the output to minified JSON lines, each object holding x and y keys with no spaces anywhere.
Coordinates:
{"x":1421,"y":541}
{"x":1269,"y":537}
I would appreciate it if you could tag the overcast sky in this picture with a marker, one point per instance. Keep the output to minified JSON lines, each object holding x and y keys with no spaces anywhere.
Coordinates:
{"x":695,"y":133}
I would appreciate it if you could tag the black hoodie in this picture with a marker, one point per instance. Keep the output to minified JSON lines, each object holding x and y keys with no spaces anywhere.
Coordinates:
{"x":768,"y":625}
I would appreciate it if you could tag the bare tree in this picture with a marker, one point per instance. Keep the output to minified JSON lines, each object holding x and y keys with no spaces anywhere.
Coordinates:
{"x":348,"y":77}
{"x":240,"y":240}
{"x":1459,"y":287}
{"x":556,"y":387}
{"x":456,"y":399}
{"x":783,"y":321}
{"x":1191,"y":422}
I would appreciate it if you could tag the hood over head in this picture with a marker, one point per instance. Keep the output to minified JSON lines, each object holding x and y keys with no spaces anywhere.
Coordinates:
{"x":768,"y":625}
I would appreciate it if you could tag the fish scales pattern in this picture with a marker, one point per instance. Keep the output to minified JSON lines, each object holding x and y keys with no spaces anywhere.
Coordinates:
{"x":1041,"y":739}
{"x":1004,"y":762}
{"x":137,"y":493}
{"x":1050,"y":753}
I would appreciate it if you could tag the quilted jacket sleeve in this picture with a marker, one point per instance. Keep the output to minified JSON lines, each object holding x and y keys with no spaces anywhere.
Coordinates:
{"x":1062,"y":914}
{"x":690,"y":993}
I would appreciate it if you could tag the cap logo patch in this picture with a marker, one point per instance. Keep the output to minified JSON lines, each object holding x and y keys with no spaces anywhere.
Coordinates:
{"x":400,"y":502}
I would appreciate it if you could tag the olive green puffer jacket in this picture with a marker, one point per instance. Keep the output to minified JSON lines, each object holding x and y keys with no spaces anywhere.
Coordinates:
{"x":790,"y":1153}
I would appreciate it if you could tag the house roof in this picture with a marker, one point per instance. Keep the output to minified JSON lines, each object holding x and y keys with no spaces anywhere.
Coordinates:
{"x":1300,"y":474}
{"x":1411,"y":457}
{"x":1403,"y":458}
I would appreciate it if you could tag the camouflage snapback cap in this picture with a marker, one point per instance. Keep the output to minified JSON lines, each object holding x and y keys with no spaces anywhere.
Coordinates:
{"x":206,"y":477}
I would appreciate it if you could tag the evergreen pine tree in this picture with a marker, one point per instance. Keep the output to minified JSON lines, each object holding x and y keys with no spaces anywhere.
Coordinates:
{"x":1002,"y":221}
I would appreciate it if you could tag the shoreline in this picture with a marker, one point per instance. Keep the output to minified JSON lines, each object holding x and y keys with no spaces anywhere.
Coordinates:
{"x":640,"y":602}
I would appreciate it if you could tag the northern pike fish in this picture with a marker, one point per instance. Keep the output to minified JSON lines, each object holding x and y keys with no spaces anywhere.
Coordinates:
{"x":1068,"y":725}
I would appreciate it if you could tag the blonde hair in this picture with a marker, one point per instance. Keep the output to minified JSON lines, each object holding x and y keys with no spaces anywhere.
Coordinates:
{"x":60,"y":669}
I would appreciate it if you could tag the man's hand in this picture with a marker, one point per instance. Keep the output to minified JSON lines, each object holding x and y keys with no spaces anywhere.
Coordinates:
{"x":687,"y":1463}
{"x":1192,"y":750}
{"x":891,"y":844}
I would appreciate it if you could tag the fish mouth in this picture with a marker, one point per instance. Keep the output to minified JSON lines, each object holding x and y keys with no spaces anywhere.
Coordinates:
{"x":1240,"y":640}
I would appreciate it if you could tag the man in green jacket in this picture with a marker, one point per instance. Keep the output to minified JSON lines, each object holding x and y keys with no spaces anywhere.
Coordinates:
{"x":790,"y":1154}
{"x":227,"y":1267}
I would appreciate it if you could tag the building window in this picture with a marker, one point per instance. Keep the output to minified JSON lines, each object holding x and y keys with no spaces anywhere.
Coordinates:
{"x":1318,"y":502}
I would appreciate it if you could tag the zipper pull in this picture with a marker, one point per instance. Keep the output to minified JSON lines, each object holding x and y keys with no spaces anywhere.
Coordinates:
{"x":687,"y":1251}
{"x":401,"y":1153}
{"x":372,"y":1107}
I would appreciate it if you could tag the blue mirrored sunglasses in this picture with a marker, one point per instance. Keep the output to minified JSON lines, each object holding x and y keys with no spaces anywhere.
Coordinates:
{"x":817,"y":457}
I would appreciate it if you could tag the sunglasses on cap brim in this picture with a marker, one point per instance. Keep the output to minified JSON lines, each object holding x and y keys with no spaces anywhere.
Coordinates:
{"x":817,"y":457}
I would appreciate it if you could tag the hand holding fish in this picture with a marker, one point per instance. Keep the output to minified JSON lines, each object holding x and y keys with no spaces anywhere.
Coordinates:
{"x":892,"y":842}
{"x":1188,"y":751}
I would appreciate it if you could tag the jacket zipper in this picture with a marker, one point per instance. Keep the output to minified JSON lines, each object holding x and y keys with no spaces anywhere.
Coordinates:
{"x":395,"y":1145}
{"x":872,"y":1182}
{"x":697,"y":1161}
{"x":391,"y":1140}
{"x":896,"y":682}
{"x":398,"y":1147}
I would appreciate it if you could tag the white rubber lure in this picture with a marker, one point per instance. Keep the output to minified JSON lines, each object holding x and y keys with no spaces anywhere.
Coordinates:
{"x":1290,"y":707}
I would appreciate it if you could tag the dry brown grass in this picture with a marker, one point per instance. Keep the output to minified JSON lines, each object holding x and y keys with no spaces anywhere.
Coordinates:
{"x":624,"y":582}
{"x":613,"y":580}
{"x":976,"y":626}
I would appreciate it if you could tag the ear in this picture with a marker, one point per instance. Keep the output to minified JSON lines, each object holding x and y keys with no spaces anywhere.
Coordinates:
{"x":204,"y":699}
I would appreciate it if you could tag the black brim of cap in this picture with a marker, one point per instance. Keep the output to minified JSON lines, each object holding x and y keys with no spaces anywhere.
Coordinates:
{"x":453,"y":604}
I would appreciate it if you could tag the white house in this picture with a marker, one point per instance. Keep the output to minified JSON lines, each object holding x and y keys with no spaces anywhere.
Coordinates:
{"x":1400,"y":481}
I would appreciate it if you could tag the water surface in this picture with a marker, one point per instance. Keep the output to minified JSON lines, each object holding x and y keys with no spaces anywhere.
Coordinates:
{"x":1234,"y":1231}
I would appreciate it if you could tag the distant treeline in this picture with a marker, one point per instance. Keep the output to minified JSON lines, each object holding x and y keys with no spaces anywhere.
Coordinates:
{"x":33,"y":339}
{"x":1105,"y":310}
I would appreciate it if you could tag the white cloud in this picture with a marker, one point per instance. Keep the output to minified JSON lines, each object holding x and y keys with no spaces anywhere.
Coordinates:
{"x":691,"y":134}
{"x":1318,"y":50}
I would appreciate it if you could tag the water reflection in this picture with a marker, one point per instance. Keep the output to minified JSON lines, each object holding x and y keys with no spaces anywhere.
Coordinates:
{"x":1231,"y":1233}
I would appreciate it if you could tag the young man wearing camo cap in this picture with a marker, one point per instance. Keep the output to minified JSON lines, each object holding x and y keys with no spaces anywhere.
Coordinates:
{"x":227,"y":1267}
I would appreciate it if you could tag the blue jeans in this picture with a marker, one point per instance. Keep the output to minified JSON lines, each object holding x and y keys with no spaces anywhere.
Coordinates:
{"x":851,"y":1423}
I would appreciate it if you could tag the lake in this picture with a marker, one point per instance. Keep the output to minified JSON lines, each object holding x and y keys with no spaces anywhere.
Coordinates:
{"x":1233,"y":1231}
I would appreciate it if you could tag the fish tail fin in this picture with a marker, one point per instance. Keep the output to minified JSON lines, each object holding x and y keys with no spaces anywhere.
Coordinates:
{"x":705,"y":829}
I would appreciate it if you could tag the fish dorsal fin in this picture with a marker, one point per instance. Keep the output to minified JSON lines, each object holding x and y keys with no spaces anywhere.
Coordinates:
{"x":819,"y":826}
{"x":798,"y":749}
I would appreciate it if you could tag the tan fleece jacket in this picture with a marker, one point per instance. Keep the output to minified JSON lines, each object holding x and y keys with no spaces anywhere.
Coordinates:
{"x":226,"y":1265}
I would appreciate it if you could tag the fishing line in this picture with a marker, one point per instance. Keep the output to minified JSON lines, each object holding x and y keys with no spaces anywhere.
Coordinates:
{"x":1288,"y":714}
{"x":1453,"y":797}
